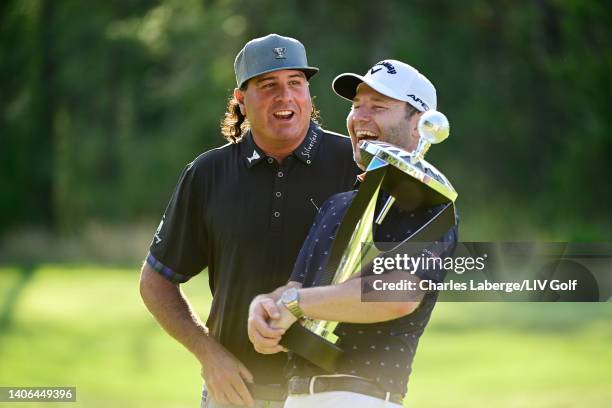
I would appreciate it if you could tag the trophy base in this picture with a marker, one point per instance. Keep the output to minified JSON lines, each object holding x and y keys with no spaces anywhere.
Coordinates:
{"x":312,"y":347}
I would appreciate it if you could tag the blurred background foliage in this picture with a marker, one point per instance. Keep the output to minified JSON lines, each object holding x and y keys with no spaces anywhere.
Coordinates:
{"x":102,"y":103}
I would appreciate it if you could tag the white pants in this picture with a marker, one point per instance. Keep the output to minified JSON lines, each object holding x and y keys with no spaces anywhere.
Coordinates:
{"x":337,"y":399}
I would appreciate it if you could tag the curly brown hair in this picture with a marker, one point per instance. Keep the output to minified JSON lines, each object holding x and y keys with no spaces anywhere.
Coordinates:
{"x":234,"y":124}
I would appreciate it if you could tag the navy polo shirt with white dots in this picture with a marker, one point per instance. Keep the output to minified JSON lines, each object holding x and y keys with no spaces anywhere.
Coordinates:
{"x":380,"y":351}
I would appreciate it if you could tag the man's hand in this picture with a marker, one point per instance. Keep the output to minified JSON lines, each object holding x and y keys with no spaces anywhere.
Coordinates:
{"x":264,"y":337}
{"x":285,"y":318}
{"x":225,"y":376}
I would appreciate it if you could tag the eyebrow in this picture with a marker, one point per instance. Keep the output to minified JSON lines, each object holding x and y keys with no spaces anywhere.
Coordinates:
{"x":373,"y":99}
{"x":273,"y":77}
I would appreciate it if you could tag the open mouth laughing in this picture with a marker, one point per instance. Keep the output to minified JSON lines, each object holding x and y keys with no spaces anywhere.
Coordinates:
{"x":366,"y":135}
{"x":284,"y":114}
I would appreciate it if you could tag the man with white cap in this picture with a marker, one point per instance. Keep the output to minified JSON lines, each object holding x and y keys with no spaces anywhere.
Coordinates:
{"x":243,"y":211}
{"x":386,"y":88}
{"x":379,"y":339}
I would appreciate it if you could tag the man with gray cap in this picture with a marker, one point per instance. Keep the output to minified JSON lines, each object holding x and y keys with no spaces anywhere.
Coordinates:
{"x":243,"y":211}
{"x":379,"y":339}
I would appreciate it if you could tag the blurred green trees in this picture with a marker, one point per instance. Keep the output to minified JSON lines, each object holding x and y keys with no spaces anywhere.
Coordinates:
{"x":102,"y":103}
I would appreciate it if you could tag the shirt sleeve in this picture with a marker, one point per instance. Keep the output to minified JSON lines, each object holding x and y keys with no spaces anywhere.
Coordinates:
{"x":302,"y":263}
{"x":178,"y":250}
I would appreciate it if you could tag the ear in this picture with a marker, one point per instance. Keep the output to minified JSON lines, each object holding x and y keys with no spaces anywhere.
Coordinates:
{"x":240,"y":98}
{"x":414,"y":131}
{"x":415,"y":121}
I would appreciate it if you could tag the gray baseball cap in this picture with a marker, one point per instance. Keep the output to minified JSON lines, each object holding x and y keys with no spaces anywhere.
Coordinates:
{"x":271,"y":53}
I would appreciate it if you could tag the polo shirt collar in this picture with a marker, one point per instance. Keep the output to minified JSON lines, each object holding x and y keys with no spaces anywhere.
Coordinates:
{"x":305,"y":152}
{"x":251,"y":153}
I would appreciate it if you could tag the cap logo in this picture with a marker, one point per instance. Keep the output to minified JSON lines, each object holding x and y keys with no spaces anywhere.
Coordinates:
{"x":388,"y":65}
{"x":280,"y":52}
{"x":419,"y":101}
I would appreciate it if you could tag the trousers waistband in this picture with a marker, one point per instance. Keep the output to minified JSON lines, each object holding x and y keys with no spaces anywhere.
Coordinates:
{"x":316,"y":384}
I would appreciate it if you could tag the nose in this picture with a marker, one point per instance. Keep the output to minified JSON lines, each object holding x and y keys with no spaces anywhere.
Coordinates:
{"x":284,"y":93}
{"x":361,"y":115}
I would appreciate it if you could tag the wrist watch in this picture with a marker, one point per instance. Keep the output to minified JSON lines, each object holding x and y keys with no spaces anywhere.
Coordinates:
{"x":291,"y":299}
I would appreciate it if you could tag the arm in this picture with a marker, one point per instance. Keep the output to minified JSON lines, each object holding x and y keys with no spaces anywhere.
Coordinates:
{"x":223,"y":373}
{"x":342,"y":303}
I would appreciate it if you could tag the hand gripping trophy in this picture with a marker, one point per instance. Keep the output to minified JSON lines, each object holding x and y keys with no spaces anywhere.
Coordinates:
{"x":410,"y":182}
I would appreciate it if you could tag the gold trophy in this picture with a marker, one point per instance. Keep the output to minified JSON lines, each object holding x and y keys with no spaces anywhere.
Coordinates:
{"x":411,"y":183}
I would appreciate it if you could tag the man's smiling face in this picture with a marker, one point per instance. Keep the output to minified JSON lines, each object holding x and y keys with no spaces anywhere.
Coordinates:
{"x":278,"y":106}
{"x":375,"y":116}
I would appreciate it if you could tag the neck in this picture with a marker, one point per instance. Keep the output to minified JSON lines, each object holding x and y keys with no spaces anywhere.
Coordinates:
{"x":278,"y":149}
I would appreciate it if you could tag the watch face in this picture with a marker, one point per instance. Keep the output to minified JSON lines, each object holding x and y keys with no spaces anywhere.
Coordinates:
{"x":289,"y":295}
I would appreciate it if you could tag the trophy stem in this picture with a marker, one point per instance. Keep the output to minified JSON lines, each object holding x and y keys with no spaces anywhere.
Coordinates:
{"x":421,"y":150}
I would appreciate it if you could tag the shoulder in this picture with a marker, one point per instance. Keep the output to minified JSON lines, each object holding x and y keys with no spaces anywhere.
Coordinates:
{"x":338,"y":200}
{"x":207,"y":168}
{"x":213,"y":158}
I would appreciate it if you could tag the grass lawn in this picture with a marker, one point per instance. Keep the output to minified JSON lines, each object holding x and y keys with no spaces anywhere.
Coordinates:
{"x":86,"y":327}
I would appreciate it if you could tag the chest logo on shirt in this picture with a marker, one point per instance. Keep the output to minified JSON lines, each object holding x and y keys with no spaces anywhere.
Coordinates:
{"x":255,"y":156}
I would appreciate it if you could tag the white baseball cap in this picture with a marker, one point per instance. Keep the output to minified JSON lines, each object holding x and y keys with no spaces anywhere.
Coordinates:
{"x":394,"y":79}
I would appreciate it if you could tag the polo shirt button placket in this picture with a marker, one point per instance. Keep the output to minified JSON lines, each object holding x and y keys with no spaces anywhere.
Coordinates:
{"x":277,"y":203}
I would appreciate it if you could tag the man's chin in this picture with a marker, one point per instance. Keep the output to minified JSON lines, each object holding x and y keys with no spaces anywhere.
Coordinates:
{"x":290,"y":135}
{"x":291,"y":130}
{"x":358,"y":162}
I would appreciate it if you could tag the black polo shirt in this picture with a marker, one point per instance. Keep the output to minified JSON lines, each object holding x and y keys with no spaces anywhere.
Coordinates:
{"x":244,"y":216}
{"x":381,"y":351}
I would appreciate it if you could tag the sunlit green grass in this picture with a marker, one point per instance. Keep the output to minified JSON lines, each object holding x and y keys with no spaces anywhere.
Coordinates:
{"x":86,"y":327}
